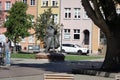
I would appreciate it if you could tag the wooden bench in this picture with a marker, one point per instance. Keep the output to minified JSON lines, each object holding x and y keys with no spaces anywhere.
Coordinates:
{"x":59,"y":76}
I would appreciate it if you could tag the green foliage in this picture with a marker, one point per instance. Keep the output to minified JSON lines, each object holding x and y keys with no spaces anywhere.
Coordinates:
{"x":43,"y":21}
{"x":18,"y":22}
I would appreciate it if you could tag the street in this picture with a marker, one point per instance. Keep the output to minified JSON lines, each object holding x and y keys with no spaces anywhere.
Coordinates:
{"x":33,"y":69}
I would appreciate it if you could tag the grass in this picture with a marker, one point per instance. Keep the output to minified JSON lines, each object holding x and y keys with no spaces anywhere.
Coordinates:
{"x":67,"y":57}
{"x":23,"y":55}
{"x":82,"y":57}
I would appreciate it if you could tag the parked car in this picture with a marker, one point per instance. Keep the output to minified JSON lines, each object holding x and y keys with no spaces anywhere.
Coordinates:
{"x":34,"y":48}
{"x":73,"y":48}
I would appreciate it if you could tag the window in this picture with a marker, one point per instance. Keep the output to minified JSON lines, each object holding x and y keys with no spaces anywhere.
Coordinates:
{"x":66,"y":33}
{"x":25,"y":1}
{"x":85,"y":16}
{"x":31,"y":39}
{"x":118,"y":10}
{"x":68,"y":45}
{"x":76,"y":33}
{"x":55,"y":18}
{"x":77,"y":13}
{"x":23,"y":39}
{"x":54,"y":2}
{"x":8,"y":5}
{"x":44,"y":2}
{"x":32,"y":2}
{"x":67,"y":13}
{"x":0,"y":5}
{"x":6,"y":18}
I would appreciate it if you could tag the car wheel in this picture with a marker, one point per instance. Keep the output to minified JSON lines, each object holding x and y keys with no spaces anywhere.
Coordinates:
{"x":63,"y":50}
{"x":79,"y":52}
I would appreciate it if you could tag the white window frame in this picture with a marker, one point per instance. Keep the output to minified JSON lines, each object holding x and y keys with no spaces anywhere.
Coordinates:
{"x":67,"y":34}
{"x":7,"y":5}
{"x":6,"y":18}
{"x":54,"y":3}
{"x":85,"y":16}
{"x":76,"y":32}
{"x":55,"y":18}
{"x":67,"y":11}
{"x":32,"y":2}
{"x":24,"y":1}
{"x":44,"y":2}
{"x":77,"y":13}
{"x":23,"y":40}
{"x":118,"y":10}
{"x":31,"y":39}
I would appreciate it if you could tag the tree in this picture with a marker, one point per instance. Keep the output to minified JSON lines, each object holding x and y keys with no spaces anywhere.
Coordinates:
{"x":104,"y":14}
{"x":18,"y":22}
{"x":42,"y":22}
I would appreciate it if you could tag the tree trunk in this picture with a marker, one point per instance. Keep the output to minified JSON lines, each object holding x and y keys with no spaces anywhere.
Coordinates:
{"x":112,"y":58}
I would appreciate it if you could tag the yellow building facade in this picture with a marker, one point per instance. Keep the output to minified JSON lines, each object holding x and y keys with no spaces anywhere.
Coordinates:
{"x":43,"y":5}
{"x":95,"y":39}
{"x":53,"y":4}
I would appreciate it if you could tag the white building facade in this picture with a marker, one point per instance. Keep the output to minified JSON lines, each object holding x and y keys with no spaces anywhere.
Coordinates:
{"x":77,"y":27}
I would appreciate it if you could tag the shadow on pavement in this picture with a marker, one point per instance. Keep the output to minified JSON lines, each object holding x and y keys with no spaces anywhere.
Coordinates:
{"x":27,"y":69}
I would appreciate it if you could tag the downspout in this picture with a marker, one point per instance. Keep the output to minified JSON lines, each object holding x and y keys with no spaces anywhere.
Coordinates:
{"x":91,"y":36}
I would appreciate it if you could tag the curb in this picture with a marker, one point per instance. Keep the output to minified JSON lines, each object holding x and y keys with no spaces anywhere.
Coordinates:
{"x":94,"y":73}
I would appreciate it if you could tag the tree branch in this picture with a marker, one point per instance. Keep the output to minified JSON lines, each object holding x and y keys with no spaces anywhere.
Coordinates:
{"x":109,"y":9}
{"x":89,"y":10}
{"x":96,"y":15}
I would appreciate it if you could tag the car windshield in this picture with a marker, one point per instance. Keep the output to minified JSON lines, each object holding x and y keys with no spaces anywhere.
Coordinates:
{"x":77,"y":45}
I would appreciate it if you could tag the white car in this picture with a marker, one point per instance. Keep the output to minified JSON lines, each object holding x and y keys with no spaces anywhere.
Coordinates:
{"x":73,"y":48}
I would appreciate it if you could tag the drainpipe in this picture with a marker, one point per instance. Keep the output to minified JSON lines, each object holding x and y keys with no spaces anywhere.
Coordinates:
{"x":90,"y":45}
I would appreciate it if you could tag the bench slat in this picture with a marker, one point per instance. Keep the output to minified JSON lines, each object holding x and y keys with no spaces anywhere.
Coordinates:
{"x":58,"y":77}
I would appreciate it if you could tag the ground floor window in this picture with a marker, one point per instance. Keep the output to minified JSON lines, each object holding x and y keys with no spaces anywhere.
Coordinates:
{"x":31,"y":38}
{"x":66,"y":33}
{"x":76,"y":33}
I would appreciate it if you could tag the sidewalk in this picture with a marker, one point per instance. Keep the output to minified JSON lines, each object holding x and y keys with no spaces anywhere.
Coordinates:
{"x":33,"y":69}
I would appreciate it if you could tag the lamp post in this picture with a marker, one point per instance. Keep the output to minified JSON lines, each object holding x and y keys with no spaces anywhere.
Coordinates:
{"x":61,"y":37}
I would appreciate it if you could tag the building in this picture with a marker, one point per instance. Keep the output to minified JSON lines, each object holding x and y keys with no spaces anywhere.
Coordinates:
{"x":95,"y":44}
{"x":75,"y":25}
{"x":5,"y":6}
{"x":31,"y":40}
{"x":55,"y":8}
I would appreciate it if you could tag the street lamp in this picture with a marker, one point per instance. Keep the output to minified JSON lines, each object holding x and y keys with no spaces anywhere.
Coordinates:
{"x":61,"y":37}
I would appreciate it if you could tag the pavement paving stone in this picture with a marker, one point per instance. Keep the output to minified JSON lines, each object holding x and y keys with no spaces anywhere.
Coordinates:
{"x":33,"y":69}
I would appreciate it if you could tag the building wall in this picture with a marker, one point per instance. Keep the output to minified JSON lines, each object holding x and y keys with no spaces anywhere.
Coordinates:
{"x":31,"y":40}
{"x":32,"y":9}
{"x":83,"y":24}
{"x":95,"y":39}
{"x":72,"y":23}
{"x":55,"y":9}
{"x":4,"y":13}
